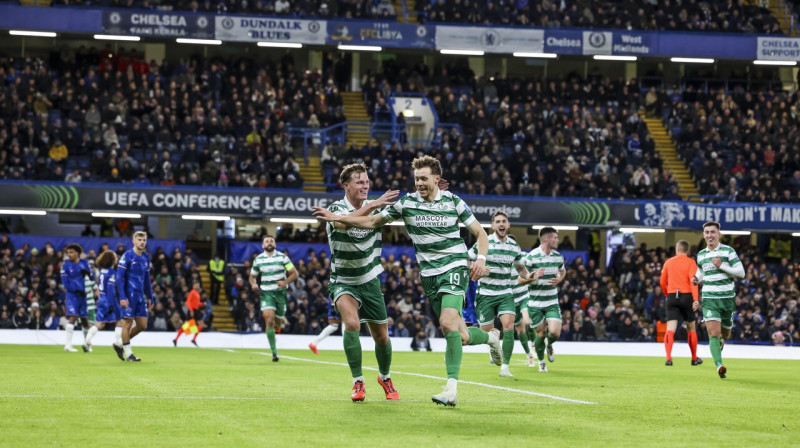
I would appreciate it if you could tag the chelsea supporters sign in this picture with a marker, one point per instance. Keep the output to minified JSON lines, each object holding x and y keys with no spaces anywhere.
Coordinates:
{"x":272,"y":29}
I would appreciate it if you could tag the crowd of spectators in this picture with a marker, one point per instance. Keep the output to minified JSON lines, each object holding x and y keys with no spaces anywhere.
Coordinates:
{"x":31,"y":295}
{"x":741,"y":146}
{"x":105,"y":116}
{"x":735,"y":16}
{"x":565,"y":137}
{"x":621,"y":303}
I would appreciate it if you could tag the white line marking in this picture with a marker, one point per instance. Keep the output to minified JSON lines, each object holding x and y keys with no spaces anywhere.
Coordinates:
{"x":143,"y":397}
{"x":490,"y":386}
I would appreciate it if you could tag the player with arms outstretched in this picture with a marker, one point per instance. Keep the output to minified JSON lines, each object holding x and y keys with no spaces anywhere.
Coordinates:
{"x":431,"y":217}
{"x":717,"y":265}
{"x":546,"y":267}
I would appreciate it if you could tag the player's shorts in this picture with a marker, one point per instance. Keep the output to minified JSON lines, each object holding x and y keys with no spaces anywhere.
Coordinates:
{"x":76,"y":305}
{"x":489,"y":307}
{"x":274,"y":300}
{"x":371,"y":305}
{"x":680,"y":307}
{"x":518,"y":307}
{"x":136,"y":308}
{"x":333,"y":313}
{"x":540,"y":315}
{"x":108,"y":310}
{"x":720,"y":310}
{"x":454,"y":282}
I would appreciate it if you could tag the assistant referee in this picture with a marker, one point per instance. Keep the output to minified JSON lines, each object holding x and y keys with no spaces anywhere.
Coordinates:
{"x":676,"y":284}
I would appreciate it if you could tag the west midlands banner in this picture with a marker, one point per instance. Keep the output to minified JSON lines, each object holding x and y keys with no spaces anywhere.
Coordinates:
{"x":270,"y":29}
{"x":667,"y":214}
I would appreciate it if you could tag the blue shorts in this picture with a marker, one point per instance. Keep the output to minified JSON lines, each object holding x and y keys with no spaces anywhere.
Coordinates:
{"x":136,"y":308}
{"x":108,"y":310}
{"x":76,"y":305}
{"x":332,"y":312}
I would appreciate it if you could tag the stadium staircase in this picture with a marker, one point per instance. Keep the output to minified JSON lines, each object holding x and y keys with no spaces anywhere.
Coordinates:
{"x":672,"y":163}
{"x":223,"y":319}
{"x":356,"y":111}
{"x":312,"y":175}
{"x":778,"y":9}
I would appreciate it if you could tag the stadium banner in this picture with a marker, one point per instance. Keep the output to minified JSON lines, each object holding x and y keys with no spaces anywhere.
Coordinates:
{"x":270,"y":29}
{"x":382,"y":34}
{"x":563,"y":41}
{"x":597,"y":42}
{"x":630,"y":43}
{"x":778,"y":48}
{"x":730,"y":216}
{"x":284,"y":203}
{"x":489,"y":39}
{"x":73,"y":20}
{"x":158,"y":24}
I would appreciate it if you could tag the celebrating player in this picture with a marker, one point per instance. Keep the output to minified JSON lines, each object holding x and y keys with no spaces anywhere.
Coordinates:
{"x":431,"y":217}
{"x":271,"y":266}
{"x":73,"y":274}
{"x":354,"y":285}
{"x":676,"y":284}
{"x":134,"y":291}
{"x":494,"y":297}
{"x":546,"y":268}
{"x":718,"y":265}
{"x":108,"y":309}
{"x":522,"y":322}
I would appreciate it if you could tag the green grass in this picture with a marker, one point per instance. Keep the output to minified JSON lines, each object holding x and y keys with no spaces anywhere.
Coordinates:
{"x":199,"y":397}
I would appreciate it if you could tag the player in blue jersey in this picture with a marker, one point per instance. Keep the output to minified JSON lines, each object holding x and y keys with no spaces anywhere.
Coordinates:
{"x":108,"y":310}
{"x":73,"y":277}
{"x":334,"y":320}
{"x":135,"y":292}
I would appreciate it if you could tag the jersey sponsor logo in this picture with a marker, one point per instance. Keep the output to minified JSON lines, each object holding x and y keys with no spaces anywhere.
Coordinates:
{"x":358,"y":233}
{"x":502,"y":259}
{"x":431,"y":221}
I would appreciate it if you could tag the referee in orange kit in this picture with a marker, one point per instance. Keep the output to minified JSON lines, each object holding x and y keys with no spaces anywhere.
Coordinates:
{"x":676,"y":284}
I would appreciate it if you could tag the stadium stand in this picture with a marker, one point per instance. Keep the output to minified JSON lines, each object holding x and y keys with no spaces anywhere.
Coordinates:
{"x":734,"y":16}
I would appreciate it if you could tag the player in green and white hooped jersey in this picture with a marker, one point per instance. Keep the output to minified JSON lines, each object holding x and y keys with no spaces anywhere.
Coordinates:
{"x":90,"y":288}
{"x":546,"y":267}
{"x":717,"y":265}
{"x":522,"y":321}
{"x":271,"y":266}
{"x":354,"y":285}
{"x":431,"y":217}
{"x":495,"y":297}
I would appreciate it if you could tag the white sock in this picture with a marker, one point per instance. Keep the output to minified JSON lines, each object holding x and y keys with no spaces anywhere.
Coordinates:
{"x":70,"y":328}
{"x":357,"y":379}
{"x":85,"y":332}
{"x":384,"y":377}
{"x":127,"y":349}
{"x":504,"y":367}
{"x":90,"y":335}
{"x":327,"y":331}
{"x":452,"y":384}
{"x":118,"y":335}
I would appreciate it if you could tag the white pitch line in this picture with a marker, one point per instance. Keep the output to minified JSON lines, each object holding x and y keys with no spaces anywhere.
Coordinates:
{"x":490,"y":386}
{"x":144,"y":397}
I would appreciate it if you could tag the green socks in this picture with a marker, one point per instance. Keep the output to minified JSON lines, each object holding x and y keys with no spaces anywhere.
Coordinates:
{"x":538,"y":344}
{"x":383,"y":353}
{"x":477,"y":336}
{"x":452,"y":356}
{"x":551,"y":338}
{"x":271,"y":339}
{"x":352,"y":350}
{"x":508,"y":345}
{"x":716,"y":352}
{"x":531,"y":334}
{"x":523,"y":339}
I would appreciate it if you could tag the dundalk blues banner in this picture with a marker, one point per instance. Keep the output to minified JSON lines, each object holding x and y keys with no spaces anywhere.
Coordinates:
{"x":270,"y":29}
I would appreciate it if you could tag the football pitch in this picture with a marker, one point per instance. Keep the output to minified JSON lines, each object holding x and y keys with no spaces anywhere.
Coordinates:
{"x":212,"y":397}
